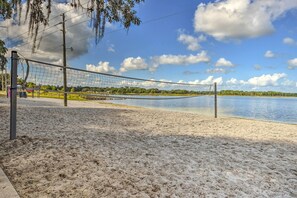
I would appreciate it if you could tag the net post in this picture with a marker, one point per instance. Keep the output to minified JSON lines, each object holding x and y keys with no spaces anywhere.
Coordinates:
{"x":13,"y":94}
{"x":215,"y":100}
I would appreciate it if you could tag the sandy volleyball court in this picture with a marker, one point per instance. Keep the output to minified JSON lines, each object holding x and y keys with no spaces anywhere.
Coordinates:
{"x":91,"y":149}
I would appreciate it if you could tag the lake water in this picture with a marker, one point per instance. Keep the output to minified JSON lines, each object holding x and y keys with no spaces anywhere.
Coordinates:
{"x":260,"y":108}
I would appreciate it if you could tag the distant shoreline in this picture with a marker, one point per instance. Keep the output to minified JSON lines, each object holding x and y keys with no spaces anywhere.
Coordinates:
{"x":256,"y":93}
{"x":273,"y":94}
{"x":260,"y":96}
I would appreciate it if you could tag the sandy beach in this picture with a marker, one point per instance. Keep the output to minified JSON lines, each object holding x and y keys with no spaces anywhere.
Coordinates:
{"x":92,"y":149}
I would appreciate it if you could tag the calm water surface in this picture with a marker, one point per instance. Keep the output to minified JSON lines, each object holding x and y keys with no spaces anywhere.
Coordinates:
{"x":261,"y":108}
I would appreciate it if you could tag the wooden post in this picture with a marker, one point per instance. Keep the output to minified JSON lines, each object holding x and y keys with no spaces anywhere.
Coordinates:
{"x":215,"y":100}
{"x":64,"y":61}
{"x":13,"y":94}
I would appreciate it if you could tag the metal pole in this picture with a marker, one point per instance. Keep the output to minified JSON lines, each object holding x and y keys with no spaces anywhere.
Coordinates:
{"x":215,"y":100}
{"x":13,"y":94}
{"x":64,"y":62}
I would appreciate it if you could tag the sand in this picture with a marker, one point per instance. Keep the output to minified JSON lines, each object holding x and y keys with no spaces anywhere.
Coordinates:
{"x":92,"y":149}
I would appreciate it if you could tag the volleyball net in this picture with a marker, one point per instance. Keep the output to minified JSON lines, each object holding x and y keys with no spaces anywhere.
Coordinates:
{"x":95,"y":85}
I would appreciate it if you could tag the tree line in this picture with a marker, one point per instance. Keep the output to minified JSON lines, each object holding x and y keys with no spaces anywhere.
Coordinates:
{"x":255,"y":93}
{"x":123,"y":90}
{"x":154,"y":91}
{"x":139,"y":90}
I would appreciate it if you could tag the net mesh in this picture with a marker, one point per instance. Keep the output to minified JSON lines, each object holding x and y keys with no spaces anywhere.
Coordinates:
{"x":50,"y":78}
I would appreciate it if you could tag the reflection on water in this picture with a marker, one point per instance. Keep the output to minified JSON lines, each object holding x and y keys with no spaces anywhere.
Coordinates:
{"x":263,"y":108}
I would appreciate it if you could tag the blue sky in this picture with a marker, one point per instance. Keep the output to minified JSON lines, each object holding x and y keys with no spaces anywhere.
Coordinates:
{"x":241,"y":44}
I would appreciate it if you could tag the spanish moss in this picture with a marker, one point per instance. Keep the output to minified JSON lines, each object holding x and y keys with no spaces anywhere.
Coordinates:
{"x":100,"y":12}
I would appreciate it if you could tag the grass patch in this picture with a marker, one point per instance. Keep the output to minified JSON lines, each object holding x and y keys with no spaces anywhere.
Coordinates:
{"x":57,"y":96}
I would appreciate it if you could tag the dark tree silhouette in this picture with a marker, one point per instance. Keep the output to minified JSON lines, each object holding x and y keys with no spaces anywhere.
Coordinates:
{"x":3,"y":51}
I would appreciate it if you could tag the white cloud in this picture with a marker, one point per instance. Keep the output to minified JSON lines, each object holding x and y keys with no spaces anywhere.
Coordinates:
{"x":209,"y":80}
{"x":102,"y":67}
{"x":239,"y":19}
{"x":259,"y":81}
{"x":234,"y":81}
{"x":222,"y":62}
{"x":212,"y":80}
{"x":269,"y":54}
{"x":193,"y":43}
{"x":50,"y":49}
{"x":179,"y":59}
{"x":190,"y":41}
{"x":292,"y":64}
{"x":289,"y":41}
{"x":266,"y":80}
{"x":133,"y":64}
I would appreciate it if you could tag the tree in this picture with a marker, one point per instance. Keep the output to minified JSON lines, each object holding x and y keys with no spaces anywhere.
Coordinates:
{"x":30,"y":85}
{"x":3,"y":77}
{"x":3,"y":51}
{"x":53,"y":88}
{"x":99,"y":11}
